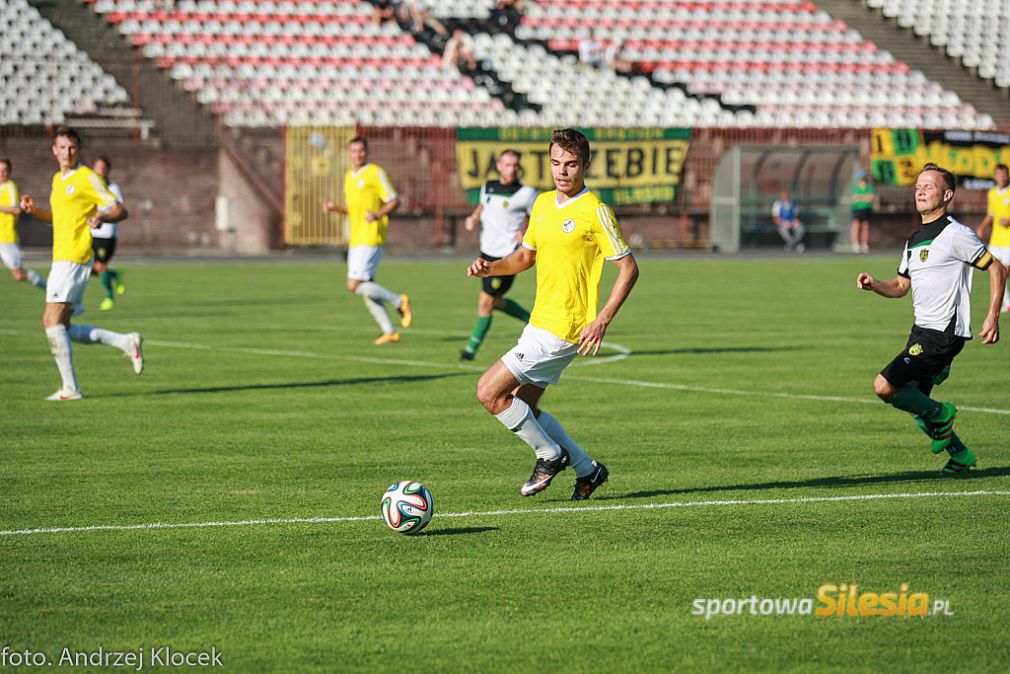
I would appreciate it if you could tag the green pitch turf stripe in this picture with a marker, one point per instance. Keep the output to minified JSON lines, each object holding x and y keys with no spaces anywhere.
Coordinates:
{"x":624,"y":353}
{"x":522,"y":511}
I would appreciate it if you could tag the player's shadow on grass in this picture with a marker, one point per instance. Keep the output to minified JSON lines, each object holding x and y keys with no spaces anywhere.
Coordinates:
{"x":399,"y":379}
{"x":833,"y":481}
{"x":705,"y":350}
{"x":458,"y":531}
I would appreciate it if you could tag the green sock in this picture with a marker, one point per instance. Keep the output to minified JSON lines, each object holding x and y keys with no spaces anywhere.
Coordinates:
{"x":479,"y":332}
{"x":956,"y":446}
{"x":911,"y":399}
{"x":107,"y":283}
{"x":513,"y":309}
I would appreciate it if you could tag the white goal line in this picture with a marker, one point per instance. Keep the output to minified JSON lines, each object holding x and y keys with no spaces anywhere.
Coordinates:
{"x":516,"y":511}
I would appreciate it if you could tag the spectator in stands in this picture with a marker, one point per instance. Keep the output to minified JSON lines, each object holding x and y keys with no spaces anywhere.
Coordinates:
{"x":614,"y":55}
{"x":591,"y":51}
{"x":421,"y":20}
{"x":369,"y":198}
{"x":10,"y":209}
{"x":385,"y":10}
{"x":507,"y":14}
{"x":458,"y":53}
{"x":786,"y":218}
{"x":103,"y":242}
{"x":996,"y":223}
{"x":862,"y":210}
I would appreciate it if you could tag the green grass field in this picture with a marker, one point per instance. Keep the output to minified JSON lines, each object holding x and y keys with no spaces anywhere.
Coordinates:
{"x":748,"y":381}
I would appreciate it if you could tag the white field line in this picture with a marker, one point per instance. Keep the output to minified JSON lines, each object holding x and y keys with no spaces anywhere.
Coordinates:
{"x":624,"y":352}
{"x":518,"y":511}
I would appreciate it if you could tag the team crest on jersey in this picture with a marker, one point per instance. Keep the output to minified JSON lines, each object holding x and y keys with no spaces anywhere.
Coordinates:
{"x":505,"y":204}
{"x":923,"y":254}
{"x":568,"y":226}
{"x":361,"y":183}
{"x":915,"y":350}
{"x":71,"y":189}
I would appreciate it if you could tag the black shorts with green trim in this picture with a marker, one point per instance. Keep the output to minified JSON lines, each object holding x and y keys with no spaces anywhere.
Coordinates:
{"x":925,"y":356}
{"x":104,"y":249}
{"x":496,"y":286}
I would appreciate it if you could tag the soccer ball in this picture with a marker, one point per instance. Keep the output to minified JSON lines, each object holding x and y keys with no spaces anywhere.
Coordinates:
{"x":407,"y":507}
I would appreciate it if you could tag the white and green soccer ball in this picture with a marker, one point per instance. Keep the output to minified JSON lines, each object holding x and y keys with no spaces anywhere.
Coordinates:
{"x":407,"y":507}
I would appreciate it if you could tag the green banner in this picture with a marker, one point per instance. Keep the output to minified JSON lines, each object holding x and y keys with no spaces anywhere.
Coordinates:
{"x":627,"y":166}
{"x":899,"y":154}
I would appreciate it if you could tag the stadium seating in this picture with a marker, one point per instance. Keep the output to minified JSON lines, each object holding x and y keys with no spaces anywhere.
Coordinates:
{"x":43,"y":75}
{"x":266,"y":63}
{"x":973,"y":31}
{"x":797,"y":65}
{"x":735,"y":63}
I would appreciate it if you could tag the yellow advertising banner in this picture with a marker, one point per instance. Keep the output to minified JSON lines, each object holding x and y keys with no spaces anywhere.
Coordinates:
{"x":899,"y":154}
{"x":631,"y":167}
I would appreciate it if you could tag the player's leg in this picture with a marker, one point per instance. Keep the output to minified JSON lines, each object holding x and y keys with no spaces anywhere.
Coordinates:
{"x":899,"y":383}
{"x":131,"y":344}
{"x":787,"y":236}
{"x":864,"y":237}
{"x":508,"y":306}
{"x":485,"y":308}
{"x":56,"y":320}
{"x":362,"y":263}
{"x":103,"y":249}
{"x":10,"y":256}
{"x":855,"y":235}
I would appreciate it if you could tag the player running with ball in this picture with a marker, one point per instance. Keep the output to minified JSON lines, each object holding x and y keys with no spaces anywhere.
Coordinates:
{"x":570,"y":233}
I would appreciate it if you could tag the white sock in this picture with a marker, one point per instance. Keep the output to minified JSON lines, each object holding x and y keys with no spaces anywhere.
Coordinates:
{"x":35,"y":279}
{"x":59,"y":345}
{"x":519,"y":419}
{"x":580,"y":461}
{"x":85,"y":334}
{"x":379,"y":313}
{"x":377,"y":292}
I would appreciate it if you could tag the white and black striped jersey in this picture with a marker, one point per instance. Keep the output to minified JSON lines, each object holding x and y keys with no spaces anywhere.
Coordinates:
{"x":939,"y":259}
{"x":505,"y":210}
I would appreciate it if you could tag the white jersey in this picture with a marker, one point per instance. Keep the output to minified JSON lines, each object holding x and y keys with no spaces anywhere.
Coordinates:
{"x":939,"y":259}
{"x":109,"y":230}
{"x":506,"y":208}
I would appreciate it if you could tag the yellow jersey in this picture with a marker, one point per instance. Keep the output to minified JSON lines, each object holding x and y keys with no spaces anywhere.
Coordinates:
{"x":75,"y":197}
{"x":9,"y":197}
{"x":366,"y":191}
{"x":571,"y":240}
{"x":999,"y":208}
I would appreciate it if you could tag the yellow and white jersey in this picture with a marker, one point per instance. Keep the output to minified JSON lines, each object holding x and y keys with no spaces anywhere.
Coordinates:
{"x":366,"y":191}
{"x":9,"y":196}
{"x":999,"y":208}
{"x":75,"y":197}
{"x":571,"y":240}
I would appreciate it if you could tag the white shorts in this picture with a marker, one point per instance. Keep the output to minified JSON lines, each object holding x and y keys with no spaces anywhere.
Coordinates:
{"x":363,"y":261}
{"x":68,"y":281}
{"x":1001,"y":253}
{"x":539,"y":357}
{"x":10,"y":255}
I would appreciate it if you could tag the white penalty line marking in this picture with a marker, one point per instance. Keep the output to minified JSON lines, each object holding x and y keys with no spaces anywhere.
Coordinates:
{"x":499,"y":513}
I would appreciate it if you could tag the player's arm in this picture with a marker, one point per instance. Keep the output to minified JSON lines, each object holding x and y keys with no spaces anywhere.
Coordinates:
{"x":29,"y":207}
{"x":592,"y":335}
{"x":474,"y":218}
{"x":386,"y":209}
{"x":115,"y":213}
{"x":13,"y":210}
{"x":997,"y":285}
{"x":896,"y":287}
{"x":519,"y":261}
{"x":334,"y":207}
{"x":982,"y":231}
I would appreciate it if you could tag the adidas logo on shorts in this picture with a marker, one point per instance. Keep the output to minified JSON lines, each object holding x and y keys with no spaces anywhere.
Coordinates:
{"x":520,"y":356}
